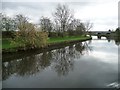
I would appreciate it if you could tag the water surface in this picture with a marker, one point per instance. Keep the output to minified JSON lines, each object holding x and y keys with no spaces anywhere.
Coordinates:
{"x":90,"y":64}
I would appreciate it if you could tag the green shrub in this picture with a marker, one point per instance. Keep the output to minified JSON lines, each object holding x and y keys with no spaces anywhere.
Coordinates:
{"x":28,"y":37}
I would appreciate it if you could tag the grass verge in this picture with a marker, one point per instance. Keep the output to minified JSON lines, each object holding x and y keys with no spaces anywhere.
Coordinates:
{"x":64,"y":39}
{"x":7,"y":46}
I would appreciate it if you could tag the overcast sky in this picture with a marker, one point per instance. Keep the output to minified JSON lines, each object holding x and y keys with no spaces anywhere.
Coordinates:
{"x":102,"y":13}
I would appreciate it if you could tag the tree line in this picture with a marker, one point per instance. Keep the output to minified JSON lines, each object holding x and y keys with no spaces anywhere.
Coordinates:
{"x":117,"y":31}
{"x":63,"y":24}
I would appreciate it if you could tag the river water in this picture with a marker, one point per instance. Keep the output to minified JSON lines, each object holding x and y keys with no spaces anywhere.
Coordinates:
{"x":89,"y":64}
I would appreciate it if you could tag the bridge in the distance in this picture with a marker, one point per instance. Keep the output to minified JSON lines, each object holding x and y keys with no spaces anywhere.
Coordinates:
{"x":100,"y":33}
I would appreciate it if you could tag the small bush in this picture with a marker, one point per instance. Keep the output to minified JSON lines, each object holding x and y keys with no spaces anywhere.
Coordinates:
{"x":29,"y":37}
{"x":41,"y":39}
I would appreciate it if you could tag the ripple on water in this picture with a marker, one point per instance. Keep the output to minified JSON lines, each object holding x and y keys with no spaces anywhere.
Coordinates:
{"x":114,"y":85}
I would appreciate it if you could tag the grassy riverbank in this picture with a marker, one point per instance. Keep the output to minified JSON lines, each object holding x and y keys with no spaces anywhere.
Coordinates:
{"x":66,"y":39}
{"x":6,"y":45}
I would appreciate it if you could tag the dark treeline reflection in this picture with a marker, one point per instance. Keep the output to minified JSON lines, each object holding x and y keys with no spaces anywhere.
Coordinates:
{"x":60,"y":60}
{"x":116,"y":39}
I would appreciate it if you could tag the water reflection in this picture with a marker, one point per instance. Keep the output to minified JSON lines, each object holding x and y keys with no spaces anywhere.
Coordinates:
{"x":89,"y":64}
{"x":60,"y":60}
{"x":109,"y":39}
{"x":117,"y":41}
{"x":63,"y":60}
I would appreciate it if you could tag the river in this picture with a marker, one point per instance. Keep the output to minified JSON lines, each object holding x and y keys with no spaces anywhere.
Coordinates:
{"x":89,"y":64}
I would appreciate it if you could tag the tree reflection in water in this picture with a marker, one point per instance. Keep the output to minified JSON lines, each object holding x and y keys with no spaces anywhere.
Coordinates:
{"x":64,"y":61}
{"x":61,"y":60}
{"x":117,"y":41}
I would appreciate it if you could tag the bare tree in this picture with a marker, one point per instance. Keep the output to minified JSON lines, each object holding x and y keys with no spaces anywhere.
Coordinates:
{"x":62,"y":17}
{"x":88,"y":26}
{"x":21,"y":21}
{"x":76,"y":27}
{"x":74,"y":23}
{"x":46,"y":24}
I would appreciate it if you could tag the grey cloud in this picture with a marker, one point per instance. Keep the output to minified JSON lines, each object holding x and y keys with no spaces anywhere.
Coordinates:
{"x":14,"y":5}
{"x":40,"y":5}
{"x":36,"y":9}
